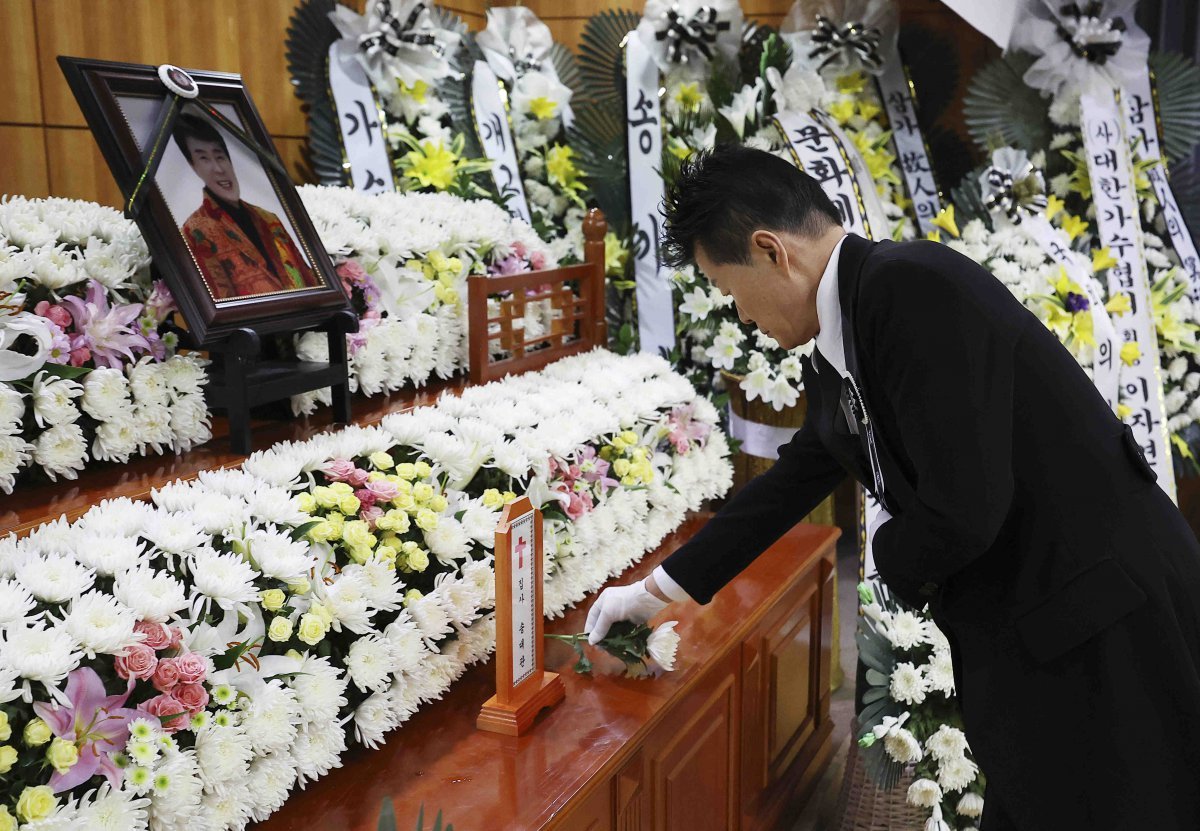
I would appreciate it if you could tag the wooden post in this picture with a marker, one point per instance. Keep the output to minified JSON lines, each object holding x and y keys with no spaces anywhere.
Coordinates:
{"x":523,"y":688}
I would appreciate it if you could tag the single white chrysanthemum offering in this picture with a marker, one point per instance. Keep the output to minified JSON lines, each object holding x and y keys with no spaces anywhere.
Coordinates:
{"x":662,"y":644}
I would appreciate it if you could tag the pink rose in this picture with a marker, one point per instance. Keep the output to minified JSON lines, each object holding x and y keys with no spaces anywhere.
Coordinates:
{"x":80,"y":356}
{"x":518,"y":248}
{"x":365,"y":497}
{"x":351,"y":270}
{"x":358,"y":477}
{"x":339,"y":470}
{"x":137,"y":661}
{"x":192,"y":696}
{"x":576,"y":507}
{"x":166,"y":676}
{"x":176,"y":638}
{"x":538,"y":260}
{"x":371,"y":515}
{"x":158,"y":635}
{"x":192,"y":668}
{"x":60,"y":316}
{"x":383,"y":490}
{"x":163,"y":707}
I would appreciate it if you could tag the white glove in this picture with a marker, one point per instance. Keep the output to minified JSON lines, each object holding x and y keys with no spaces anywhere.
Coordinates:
{"x":634,"y":603}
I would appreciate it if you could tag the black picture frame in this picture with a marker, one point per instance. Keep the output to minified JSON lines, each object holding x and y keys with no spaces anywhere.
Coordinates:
{"x":99,"y":86}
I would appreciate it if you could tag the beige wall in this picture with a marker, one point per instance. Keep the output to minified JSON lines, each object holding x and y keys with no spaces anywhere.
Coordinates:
{"x":46,"y":149}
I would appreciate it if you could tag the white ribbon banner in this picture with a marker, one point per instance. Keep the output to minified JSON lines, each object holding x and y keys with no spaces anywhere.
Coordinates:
{"x":1140,"y":122}
{"x":761,"y":440}
{"x":1106,"y":368}
{"x":656,"y":308}
{"x":360,"y":121}
{"x":896,"y":91}
{"x":1111,"y":171}
{"x":821,"y":151}
{"x":491,"y":125}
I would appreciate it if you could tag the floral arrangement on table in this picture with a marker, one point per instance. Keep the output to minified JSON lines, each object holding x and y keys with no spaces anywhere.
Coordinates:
{"x":404,"y":259}
{"x":910,"y":718}
{"x":1031,"y":100}
{"x":87,"y":371}
{"x":183,"y":664}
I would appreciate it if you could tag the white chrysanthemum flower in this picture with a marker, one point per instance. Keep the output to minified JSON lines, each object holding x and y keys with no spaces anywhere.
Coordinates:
{"x":662,"y":644}
{"x":430,"y":617}
{"x":479,"y":523}
{"x":110,"y":810}
{"x":946,"y":743}
{"x":177,"y":807}
{"x":383,"y":588}
{"x":216,"y":513}
{"x":53,"y":400}
{"x":970,"y":805}
{"x":370,"y":663}
{"x":937,"y":639}
{"x":276,"y":467}
{"x":116,"y":440}
{"x":38,"y":653}
{"x":174,"y":532}
{"x":276,"y":506}
{"x":348,"y":599}
{"x":227,"y":807}
{"x":226,"y":579}
{"x":223,"y":754}
{"x":105,"y":394}
{"x":16,"y":603}
{"x":939,"y":672}
{"x":271,"y":778}
{"x":374,"y":718}
{"x":12,"y":409}
{"x":903,"y":746}
{"x":277,"y":555}
{"x":100,"y":624}
{"x":320,"y":690}
{"x":271,"y":718}
{"x":148,"y":384}
{"x":55,"y":578}
{"x":906,"y":630}
{"x":956,"y":773}
{"x":15,"y":453}
{"x":924,"y":793}
{"x":408,"y":646}
{"x":110,"y":555}
{"x":155,"y":596}
{"x":908,"y":685}
{"x":120,"y":517}
{"x":510,"y":459}
{"x":316,"y":751}
{"x":448,"y":541}
{"x":61,"y":451}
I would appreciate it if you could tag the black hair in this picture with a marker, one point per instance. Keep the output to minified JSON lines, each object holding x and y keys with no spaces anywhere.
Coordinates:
{"x":193,"y":126}
{"x":725,"y":194}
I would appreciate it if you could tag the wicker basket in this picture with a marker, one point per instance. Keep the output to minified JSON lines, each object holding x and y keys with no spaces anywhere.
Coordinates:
{"x":863,"y":806}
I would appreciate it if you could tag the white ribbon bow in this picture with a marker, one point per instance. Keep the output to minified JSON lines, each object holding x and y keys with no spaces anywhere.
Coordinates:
{"x":842,"y":35}
{"x":516,"y":42}
{"x":1012,"y":186}
{"x":398,"y":39}
{"x":690,"y":33}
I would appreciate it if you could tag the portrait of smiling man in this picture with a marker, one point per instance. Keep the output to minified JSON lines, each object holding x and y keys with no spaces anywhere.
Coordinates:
{"x":1017,"y":506}
{"x":241,"y":249}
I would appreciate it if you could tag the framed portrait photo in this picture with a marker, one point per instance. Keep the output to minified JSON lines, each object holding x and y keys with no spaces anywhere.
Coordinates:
{"x":223,"y":222}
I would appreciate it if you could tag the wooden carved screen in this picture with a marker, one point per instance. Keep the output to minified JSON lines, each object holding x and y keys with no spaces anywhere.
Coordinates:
{"x":566,"y":306}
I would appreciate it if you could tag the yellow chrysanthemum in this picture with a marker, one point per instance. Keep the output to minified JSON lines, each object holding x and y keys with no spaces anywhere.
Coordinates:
{"x":542,"y":108}
{"x":1103,"y":259}
{"x":945,"y":221}
{"x":1074,"y":225}
{"x":1130,"y":352}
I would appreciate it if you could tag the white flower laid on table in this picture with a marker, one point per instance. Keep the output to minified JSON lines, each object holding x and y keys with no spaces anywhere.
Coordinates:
{"x":404,"y":260}
{"x":86,"y":370}
{"x":910,"y":717}
{"x":241,"y":630}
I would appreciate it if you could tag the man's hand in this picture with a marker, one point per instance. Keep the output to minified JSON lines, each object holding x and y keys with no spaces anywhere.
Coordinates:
{"x":634,"y":603}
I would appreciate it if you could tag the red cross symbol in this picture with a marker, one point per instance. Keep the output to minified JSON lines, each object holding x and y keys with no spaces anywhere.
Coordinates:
{"x":521,"y":546}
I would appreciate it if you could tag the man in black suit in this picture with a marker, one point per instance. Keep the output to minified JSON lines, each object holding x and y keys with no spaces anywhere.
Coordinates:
{"x":1018,"y":507}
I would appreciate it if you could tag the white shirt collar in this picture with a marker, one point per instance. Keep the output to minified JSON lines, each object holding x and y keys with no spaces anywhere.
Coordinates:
{"x":829,"y":314}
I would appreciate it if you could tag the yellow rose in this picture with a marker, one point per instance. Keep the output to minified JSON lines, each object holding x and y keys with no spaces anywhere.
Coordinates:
{"x":357,"y":534}
{"x":639,"y":454}
{"x":386,"y":555}
{"x":628,"y":481}
{"x":62,"y":754}
{"x":382,"y":460}
{"x":406,"y":470}
{"x":7,"y":821}
{"x":324,"y":496}
{"x":360,"y":553}
{"x":509,"y":496}
{"x":306,"y":502}
{"x":36,"y":802}
{"x":321,"y":612}
{"x":409,"y":547}
{"x":281,"y":629}
{"x":321,"y":532}
{"x":423,"y":470}
{"x":298,"y":585}
{"x":8,"y":758}
{"x":37,"y":733}
{"x":422,"y":492}
{"x":272,"y":599}
{"x":438,"y":503}
{"x":5,"y":728}
{"x":412,"y":595}
{"x":341,"y":488}
{"x":312,"y":629}
{"x":618,"y":444}
{"x":630,"y":437}
{"x":376,"y":476}
{"x":621,"y":467}
{"x":427,"y":520}
{"x":405,"y":502}
{"x":349,"y":505}
{"x":336,"y":523}
{"x":418,"y":560}
{"x":492,"y":498}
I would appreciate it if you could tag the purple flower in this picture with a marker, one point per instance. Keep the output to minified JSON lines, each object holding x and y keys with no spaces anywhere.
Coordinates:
{"x":160,"y":303}
{"x":1077,"y":303}
{"x":512,"y":264}
{"x":98,"y":724}
{"x":105,"y":331}
{"x":60,"y":344}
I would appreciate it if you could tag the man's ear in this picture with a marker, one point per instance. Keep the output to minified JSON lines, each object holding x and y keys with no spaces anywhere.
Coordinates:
{"x":770,"y":244}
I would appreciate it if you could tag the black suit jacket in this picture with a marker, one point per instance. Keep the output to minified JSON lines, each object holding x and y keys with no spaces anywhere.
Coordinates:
{"x":1023,"y":511}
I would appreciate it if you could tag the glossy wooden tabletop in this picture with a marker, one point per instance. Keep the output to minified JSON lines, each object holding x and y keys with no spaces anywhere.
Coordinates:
{"x":34,"y":503}
{"x":487,"y":782}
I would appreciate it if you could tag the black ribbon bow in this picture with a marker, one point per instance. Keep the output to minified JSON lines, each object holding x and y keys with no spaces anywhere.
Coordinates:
{"x":699,"y":31}
{"x":853,"y":38}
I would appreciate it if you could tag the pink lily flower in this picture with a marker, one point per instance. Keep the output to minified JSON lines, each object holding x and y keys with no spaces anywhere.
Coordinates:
{"x":98,"y":724}
{"x":106,"y":331}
